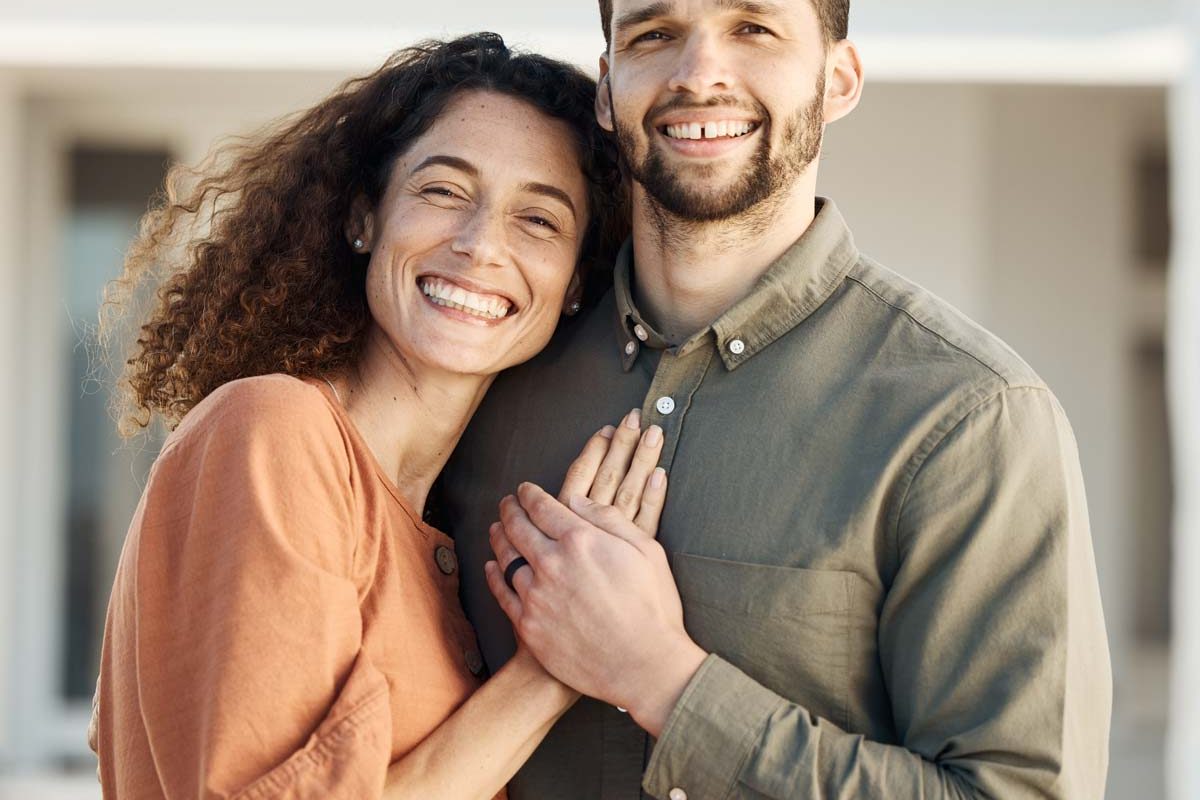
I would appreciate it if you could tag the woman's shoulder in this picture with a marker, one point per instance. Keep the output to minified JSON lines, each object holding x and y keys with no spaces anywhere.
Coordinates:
{"x":279,"y":411}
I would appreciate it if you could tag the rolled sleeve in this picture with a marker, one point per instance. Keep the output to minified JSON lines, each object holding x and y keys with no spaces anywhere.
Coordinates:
{"x":711,"y":733}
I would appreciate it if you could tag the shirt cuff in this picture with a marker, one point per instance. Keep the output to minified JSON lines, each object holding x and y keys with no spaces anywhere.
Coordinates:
{"x":711,"y":732}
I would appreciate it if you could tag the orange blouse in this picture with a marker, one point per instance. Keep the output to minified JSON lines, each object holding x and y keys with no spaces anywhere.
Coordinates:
{"x":282,"y":624}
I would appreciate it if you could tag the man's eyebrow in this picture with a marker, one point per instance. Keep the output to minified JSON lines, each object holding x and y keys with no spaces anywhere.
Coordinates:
{"x":550,"y":191}
{"x":756,"y":7}
{"x":454,"y":162}
{"x":633,"y":18}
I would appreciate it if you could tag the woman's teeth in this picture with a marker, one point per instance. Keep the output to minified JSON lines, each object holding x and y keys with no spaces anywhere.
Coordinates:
{"x":444,"y":293}
{"x":709,"y":130}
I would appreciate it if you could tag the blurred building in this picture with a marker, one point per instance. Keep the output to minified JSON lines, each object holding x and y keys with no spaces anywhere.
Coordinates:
{"x":1023,"y":159}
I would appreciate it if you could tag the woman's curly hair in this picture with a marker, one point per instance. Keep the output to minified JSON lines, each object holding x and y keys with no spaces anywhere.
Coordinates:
{"x":256,"y":275}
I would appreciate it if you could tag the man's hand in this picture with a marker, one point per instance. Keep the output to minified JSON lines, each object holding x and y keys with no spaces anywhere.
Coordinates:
{"x":598,"y":605}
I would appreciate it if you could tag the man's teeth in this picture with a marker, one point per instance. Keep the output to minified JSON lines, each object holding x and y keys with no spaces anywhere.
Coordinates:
{"x":444,"y":293}
{"x":709,"y":130}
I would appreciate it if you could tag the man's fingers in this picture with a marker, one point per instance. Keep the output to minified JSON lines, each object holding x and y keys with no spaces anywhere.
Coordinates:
{"x":509,"y":600}
{"x":544,"y":514}
{"x":582,"y":472}
{"x":534,"y":540}
{"x":653,"y":499}
{"x":615,"y":466}
{"x":629,"y":495}
{"x":608,"y":519}
{"x":502,"y":548}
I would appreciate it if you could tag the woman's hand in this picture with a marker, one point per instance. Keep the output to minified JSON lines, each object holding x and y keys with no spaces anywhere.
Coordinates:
{"x":619,"y":467}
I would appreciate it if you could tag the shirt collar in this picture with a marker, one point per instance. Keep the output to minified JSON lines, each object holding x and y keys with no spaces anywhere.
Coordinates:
{"x":791,"y":289}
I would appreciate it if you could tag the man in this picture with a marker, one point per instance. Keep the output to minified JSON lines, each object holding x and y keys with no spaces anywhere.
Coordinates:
{"x":875,"y":518}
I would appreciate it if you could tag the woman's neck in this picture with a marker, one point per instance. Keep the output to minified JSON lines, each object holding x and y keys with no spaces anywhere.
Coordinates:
{"x":410,"y":417}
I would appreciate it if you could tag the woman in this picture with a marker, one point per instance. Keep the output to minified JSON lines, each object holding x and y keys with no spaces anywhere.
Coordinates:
{"x":283,"y":622}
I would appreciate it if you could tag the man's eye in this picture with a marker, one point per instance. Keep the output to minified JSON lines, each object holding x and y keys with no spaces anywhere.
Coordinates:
{"x":650,"y":36}
{"x":753,"y":29}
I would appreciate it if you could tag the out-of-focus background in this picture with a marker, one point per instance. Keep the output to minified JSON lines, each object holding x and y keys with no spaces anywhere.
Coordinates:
{"x":1036,"y":163}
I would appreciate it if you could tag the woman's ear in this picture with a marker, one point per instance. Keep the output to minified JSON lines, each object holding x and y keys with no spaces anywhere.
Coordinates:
{"x":360,"y":225}
{"x":604,"y":113}
{"x":573,"y":301}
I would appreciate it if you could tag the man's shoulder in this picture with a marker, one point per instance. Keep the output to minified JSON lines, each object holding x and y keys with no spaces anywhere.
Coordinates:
{"x":936,"y":329}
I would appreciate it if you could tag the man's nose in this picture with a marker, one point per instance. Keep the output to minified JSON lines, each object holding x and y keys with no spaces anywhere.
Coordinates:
{"x":703,"y":66}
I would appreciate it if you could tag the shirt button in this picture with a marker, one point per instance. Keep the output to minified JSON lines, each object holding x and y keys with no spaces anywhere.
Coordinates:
{"x":445,"y":559}
{"x":630,"y":348}
{"x":677,"y":794}
{"x":665,"y":405}
{"x":474,"y":661}
{"x":737,"y":347}
{"x":640,"y":332}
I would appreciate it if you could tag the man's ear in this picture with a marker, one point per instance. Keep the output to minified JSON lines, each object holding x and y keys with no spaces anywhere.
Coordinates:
{"x":604,"y":112}
{"x":360,"y":225}
{"x":843,"y":80}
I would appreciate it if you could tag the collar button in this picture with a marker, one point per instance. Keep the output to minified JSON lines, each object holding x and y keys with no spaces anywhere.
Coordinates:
{"x":640,"y":331}
{"x":737,"y":347}
{"x":630,"y":348}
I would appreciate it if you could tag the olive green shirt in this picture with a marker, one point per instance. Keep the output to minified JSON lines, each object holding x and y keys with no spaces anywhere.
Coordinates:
{"x":877,"y":524}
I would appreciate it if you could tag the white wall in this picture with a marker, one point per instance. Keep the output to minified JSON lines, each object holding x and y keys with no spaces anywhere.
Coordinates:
{"x":9,"y":334}
{"x":914,"y":16}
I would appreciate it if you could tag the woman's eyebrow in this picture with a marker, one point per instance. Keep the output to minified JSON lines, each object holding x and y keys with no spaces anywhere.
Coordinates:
{"x":547,"y":190}
{"x":454,"y":162}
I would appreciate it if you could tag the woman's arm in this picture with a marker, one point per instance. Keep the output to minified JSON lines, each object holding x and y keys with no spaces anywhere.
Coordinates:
{"x":483,"y":744}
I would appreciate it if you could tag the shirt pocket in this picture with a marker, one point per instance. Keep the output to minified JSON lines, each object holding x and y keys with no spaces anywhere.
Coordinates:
{"x":788,"y":628}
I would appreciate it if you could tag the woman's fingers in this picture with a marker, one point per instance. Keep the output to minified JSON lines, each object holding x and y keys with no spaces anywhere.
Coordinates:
{"x":582,"y":472}
{"x":615,"y":466}
{"x":653,"y":500}
{"x":628,"y":499}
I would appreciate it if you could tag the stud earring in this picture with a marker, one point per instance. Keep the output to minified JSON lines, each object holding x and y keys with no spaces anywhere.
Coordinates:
{"x":359,"y":244}
{"x":573,"y":308}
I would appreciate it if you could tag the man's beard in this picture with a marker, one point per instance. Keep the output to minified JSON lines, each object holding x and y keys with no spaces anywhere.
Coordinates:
{"x":763,"y":179}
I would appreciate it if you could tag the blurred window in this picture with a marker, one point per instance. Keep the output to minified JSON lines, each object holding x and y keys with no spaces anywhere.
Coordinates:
{"x":109,"y":191}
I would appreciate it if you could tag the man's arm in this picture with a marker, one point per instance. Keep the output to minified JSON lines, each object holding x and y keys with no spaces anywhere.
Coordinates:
{"x":991,"y":639}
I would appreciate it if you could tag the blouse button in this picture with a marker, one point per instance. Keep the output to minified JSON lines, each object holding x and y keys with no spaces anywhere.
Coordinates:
{"x":445,"y":559}
{"x":474,"y":661}
{"x":665,"y":405}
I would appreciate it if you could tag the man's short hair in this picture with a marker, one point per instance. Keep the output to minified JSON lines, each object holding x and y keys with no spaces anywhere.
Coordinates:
{"x":834,"y":15}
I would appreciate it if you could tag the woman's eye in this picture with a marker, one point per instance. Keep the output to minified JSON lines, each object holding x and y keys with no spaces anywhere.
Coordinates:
{"x":542,"y":222}
{"x":439,"y":191}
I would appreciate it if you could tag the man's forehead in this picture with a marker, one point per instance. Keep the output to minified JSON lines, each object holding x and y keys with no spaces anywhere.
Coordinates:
{"x":624,"y":9}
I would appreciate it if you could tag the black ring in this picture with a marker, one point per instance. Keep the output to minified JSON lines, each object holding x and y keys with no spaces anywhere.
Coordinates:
{"x":511,"y":569}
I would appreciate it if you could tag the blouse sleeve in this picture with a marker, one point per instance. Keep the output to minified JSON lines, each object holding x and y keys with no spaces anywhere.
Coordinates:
{"x":242,"y":621}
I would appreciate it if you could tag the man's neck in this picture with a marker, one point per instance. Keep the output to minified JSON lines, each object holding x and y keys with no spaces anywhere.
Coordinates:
{"x":688,"y":274}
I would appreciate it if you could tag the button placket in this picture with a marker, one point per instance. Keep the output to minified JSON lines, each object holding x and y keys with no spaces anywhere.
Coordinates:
{"x":676,"y":379}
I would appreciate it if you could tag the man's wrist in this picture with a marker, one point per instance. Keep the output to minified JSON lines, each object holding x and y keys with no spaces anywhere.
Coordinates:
{"x":660,"y":687}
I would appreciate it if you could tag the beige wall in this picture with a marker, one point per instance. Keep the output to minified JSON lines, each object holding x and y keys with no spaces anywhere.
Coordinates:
{"x":1015,"y":203}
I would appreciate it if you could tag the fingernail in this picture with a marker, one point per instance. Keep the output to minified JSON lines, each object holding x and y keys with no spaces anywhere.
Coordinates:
{"x":607,"y":431}
{"x":633,"y":419}
{"x":658,"y":478}
{"x":653,"y":435}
